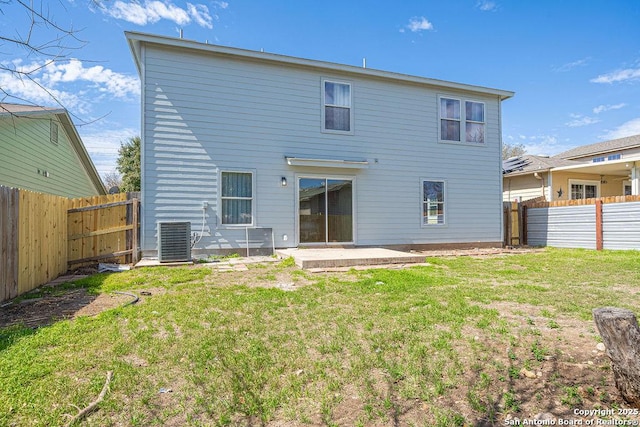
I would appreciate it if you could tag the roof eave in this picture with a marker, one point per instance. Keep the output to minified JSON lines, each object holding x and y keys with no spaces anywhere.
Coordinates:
{"x":136,"y":39}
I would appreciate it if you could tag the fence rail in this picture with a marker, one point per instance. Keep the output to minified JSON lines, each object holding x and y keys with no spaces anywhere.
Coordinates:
{"x":42,"y":235}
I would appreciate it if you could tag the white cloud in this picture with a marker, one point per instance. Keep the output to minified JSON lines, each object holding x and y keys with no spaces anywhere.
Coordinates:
{"x":108,"y":81}
{"x":632,"y":127}
{"x":539,"y":145}
{"x":418,"y":24}
{"x":487,"y":6}
{"x":151,"y":11}
{"x":579,"y":121}
{"x":221,"y":4}
{"x":103,"y":145}
{"x":571,"y":65}
{"x":49,"y":83}
{"x":200,"y":14}
{"x":602,"y":108}
{"x":628,"y":74}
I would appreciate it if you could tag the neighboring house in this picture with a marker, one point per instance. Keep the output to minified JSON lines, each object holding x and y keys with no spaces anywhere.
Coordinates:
{"x":321,"y":153}
{"x":604,"y":169}
{"x":40,"y":150}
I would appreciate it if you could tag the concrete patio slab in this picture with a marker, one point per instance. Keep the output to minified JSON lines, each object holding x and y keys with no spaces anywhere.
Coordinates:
{"x":308,"y":258}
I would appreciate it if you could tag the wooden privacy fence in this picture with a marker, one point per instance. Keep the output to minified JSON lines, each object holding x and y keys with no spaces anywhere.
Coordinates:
{"x":43,"y":235}
{"x":603,"y":223}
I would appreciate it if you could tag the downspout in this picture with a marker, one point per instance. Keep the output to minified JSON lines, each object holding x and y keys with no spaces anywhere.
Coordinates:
{"x":541,"y":178}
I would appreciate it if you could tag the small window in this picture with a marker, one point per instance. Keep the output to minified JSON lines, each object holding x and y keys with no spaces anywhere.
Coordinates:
{"x":432,"y":202}
{"x":54,"y":132}
{"x":237,"y":198}
{"x":337,"y":106}
{"x":598,"y":159}
{"x":454,"y":120}
{"x":614,"y":157}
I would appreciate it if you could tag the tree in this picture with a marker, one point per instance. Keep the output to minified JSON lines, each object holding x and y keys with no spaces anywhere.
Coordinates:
{"x":112,"y":180}
{"x":509,"y":150}
{"x":129,"y":164}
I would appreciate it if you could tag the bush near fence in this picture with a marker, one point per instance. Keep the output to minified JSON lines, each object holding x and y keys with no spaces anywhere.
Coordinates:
{"x":41,"y":238}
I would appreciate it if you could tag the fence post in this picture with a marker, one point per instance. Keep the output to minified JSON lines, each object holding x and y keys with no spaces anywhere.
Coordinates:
{"x":599,"y":242}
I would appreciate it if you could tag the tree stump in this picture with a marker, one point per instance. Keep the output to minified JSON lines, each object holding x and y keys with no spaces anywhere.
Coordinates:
{"x":621,"y":336}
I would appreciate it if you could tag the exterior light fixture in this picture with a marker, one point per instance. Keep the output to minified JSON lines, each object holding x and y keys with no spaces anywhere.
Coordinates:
{"x":283,"y":181}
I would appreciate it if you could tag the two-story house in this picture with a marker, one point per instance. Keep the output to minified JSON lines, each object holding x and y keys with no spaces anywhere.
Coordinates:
{"x":322,"y":153}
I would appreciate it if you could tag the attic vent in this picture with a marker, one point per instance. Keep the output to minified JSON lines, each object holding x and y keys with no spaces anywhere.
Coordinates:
{"x":174,"y":241}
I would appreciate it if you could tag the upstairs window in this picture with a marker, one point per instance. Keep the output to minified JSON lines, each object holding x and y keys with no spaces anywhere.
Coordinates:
{"x":614,"y":157}
{"x":475,"y":121}
{"x":337,"y":112}
{"x":449,"y":119}
{"x":237,"y":198}
{"x":454,"y":119}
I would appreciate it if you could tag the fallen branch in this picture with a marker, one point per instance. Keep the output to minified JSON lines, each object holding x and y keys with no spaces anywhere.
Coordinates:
{"x":92,"y":406}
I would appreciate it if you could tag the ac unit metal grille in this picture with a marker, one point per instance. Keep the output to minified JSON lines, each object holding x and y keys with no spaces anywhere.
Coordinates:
{"x":174,"y":241}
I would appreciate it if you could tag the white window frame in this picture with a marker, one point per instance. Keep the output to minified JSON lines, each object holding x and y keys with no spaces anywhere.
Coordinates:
{"x":252,"y":198}
{"x":424,"y":224}
{"x":462,"y":120}
{"x":324,"y":106}
{"x":583,"y":182}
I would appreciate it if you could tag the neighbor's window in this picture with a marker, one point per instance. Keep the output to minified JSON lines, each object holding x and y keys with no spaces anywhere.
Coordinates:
{"x":452,"y":120}
{"x":614,"y":157}
{"x":53,"y":132}
{"x":237,"y":198}
{"x":432,"y":202}
{"x":584,"y":189}
{"x":337,"y":106}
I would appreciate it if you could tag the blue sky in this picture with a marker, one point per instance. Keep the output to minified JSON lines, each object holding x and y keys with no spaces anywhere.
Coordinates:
{"x":574,"y":65}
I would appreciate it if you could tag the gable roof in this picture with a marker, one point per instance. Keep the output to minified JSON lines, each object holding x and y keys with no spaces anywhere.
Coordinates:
{"x":8,"y":110}
{"x":136,"y":40}
{"x":601,"y":147}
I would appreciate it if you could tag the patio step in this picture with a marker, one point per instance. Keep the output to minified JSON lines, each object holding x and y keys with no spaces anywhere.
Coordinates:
{"x":340,"y":257}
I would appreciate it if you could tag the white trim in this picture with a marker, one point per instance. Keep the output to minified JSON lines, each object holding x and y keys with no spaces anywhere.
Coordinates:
{"x":253,"y":197}
{"x":444,"y":203}
{"x":582,"y":182}
{"x":323,"y":106}
{"x":351,"y":178}
{"x":327,"y":163}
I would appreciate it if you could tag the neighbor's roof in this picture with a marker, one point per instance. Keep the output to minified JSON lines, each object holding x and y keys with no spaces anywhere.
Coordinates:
{"x":527,"y":164}
{"x":136,"y":40}
{"x":20,"y":110}
{"x":601,"y":147}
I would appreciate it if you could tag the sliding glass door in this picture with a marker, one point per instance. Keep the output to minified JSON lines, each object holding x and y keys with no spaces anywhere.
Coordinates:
{"x":325,"y":209}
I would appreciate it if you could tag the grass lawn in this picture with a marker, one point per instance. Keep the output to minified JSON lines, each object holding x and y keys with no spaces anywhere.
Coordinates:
{"x":463,"y":341}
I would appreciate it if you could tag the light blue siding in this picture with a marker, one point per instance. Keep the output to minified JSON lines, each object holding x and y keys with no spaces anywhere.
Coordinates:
{"x":204,"y":113}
